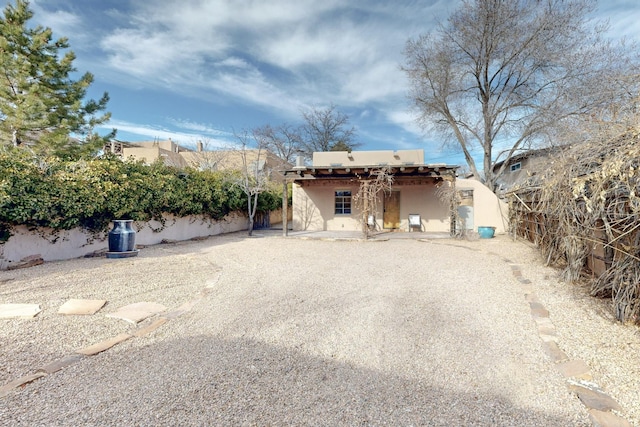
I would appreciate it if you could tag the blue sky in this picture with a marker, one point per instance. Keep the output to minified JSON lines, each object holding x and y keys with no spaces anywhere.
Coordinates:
{"x":201,"y":69}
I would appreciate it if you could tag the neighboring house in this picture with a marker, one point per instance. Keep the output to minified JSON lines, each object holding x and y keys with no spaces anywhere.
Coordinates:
{"x":523,"y":166}
{"x":150,"y":151}
{"x":173,"y":154}
{"x":323,"y":192}
{"x":232,"y":159}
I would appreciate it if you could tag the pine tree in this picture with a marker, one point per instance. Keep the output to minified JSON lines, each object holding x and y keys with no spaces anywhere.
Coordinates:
{"x":41,"y":106}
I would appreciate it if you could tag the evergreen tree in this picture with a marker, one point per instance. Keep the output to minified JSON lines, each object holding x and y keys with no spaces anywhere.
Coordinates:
{"x":41,"y":106}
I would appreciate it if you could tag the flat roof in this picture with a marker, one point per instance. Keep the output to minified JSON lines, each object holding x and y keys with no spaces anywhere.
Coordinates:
{"x":344,"y":171}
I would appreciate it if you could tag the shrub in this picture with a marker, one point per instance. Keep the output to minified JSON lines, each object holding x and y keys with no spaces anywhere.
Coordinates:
{"x":49,"y":192}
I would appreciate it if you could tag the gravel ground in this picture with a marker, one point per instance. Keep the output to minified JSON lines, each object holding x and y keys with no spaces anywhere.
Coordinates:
{"x":312,"y":332}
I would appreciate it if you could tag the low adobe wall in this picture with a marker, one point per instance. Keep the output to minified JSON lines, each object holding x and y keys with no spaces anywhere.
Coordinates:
{"x":29,"y":247}
{"x":488,"y":209}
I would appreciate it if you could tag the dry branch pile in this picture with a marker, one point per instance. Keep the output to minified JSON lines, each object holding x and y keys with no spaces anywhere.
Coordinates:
{"x":587,"y":204}
{"x":367,"y":199}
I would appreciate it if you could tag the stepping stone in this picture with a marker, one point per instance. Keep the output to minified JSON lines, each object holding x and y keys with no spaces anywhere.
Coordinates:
{"x":103,"y":345}
{"x":137,"y":312}
{"x":59,"y":364}
{"x":538,"y":310}
{"x":594,"y":398}
{"x":23,"y":311}
{"x":607,"y":419}
{"x":554,"y":352}
{"x":150,"y":328}
{"x":13,"y":385}
{"x":82,"y":306}
{"x":576,"y":369}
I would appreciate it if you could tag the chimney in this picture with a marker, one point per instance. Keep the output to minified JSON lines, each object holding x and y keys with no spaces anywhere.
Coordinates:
{"x":199,"y":146}
{"x":300,"y":163}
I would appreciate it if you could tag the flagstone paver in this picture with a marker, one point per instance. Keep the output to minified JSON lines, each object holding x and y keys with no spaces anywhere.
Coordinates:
{"x":56,"y":365}
{"x":9,"y":311}
{"x":104,"y":345}
{"x":575,"y":368}
{"x":151,"y":327}
{"x":137,"y":312}
{"x":578,"y":372}
{"x":9,"y":387}
{"x":607,"y":419}
{"x":82,"y":306}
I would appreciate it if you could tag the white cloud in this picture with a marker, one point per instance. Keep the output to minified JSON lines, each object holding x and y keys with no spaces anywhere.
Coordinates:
{"x":275,"y":56}
{"x":61,"y":21}
{"x":202,"y":128}
{"x":282,"y":53}
{"x":156,"y":55}
{"x":406,"y":120}
{"x":194,"y":132}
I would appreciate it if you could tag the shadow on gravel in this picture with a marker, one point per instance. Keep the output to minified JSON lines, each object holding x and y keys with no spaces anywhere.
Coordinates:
{"x":207,"y":381}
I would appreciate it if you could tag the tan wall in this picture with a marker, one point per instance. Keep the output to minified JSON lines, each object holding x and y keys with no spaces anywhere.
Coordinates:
{"x":313,"y":208}
{"x":146,"y":154}
{"x":422,"y":200}
{"x":488,"y":209}
{"x":368,"y":158}
{"x":149,"y":154}
{"x":275,"y":217}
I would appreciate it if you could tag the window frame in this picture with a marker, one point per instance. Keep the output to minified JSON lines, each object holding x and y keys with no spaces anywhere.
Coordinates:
{"x":515,"y":167}
{"x":342,"y":202}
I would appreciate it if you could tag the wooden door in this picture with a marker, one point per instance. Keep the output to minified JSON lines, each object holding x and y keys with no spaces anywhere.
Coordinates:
{"x":391,"y":216}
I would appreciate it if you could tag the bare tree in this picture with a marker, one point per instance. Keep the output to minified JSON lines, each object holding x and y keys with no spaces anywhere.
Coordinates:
{"x":327,"y":129}
{"x":503,"y":74}
{"x":253,"y":178}
{"x":285,"y":140}
{"x":367,"y":199}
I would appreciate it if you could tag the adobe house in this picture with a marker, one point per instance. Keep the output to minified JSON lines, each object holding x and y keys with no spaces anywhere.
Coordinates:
{"x":522,"y":166}
{"x":173,"y":154}
{"x":323,"y":192}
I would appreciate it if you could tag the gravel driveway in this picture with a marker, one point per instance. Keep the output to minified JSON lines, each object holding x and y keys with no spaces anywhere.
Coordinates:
{"x":312,"y":332}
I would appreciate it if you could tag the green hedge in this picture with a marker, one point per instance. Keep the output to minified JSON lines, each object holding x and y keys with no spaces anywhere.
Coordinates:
{"x":62,"y":195}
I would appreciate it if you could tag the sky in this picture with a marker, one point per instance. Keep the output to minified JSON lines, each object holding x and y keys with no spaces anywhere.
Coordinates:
{"x":194,"y":70}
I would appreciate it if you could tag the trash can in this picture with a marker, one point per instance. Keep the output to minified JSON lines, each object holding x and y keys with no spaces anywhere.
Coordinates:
{"x":122,"y":239}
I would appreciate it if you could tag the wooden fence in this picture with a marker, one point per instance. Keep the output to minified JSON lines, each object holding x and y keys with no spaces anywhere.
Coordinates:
{"x":605,"y":250}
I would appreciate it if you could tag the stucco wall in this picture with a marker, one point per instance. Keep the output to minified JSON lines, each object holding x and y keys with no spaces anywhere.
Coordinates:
{"x":422,"y":200}
{"x":77,"y":242}
{"x":368,"y":158}
{"x":313,"y":208}
{"x":488,"y":209}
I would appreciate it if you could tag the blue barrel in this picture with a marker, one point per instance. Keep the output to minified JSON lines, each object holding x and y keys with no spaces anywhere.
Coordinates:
{"x":122,"y":238}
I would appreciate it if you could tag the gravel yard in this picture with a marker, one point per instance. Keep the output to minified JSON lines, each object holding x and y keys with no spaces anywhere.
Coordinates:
{"x":313,"y":332}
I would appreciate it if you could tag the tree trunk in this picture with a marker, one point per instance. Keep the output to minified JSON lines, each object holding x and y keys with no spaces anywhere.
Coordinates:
{"x":250,"y":213}
{"x":285,"y":207}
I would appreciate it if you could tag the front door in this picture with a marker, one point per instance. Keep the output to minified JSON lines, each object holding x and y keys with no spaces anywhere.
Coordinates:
{"x":391,"y":217}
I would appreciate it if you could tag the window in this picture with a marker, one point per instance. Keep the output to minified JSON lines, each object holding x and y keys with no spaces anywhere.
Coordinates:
{"x":343,"y":202}
{"x":516,"y":167}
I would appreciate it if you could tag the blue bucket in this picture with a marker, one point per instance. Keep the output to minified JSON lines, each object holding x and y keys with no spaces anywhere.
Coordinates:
{"x":486,"y":232}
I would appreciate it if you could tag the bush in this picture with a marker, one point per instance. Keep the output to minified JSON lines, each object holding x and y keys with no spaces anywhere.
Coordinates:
{"x":49,"y":192}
